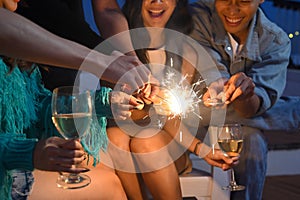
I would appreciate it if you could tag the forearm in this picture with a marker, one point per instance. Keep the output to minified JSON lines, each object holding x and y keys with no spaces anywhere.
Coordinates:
{"x":185,"y":137}
{"x":17,"y":152}
{"x":33,"y":43}
{"x":111,"y":21}
{"x":247,"y":107}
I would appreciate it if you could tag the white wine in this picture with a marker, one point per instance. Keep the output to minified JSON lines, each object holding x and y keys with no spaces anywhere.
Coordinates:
{"x":230,"y":145}
{"x":72,"y":125}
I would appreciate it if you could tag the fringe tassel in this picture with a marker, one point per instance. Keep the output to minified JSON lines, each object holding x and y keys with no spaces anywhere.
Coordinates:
{"x":96,"y":138}
{"x":19,"y":91}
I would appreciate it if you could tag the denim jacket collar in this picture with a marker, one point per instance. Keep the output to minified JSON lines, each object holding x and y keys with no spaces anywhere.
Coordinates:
{"x":251,"y":48}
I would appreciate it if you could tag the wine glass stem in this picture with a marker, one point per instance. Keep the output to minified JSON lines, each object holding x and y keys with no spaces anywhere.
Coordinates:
{"x":232,"y":181}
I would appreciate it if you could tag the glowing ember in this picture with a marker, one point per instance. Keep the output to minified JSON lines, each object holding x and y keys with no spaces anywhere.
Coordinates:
{"x":180,"y":97}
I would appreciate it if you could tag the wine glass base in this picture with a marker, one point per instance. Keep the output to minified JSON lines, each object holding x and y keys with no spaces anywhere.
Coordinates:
{"x":73,"y":181}
{"x":234,"y":187}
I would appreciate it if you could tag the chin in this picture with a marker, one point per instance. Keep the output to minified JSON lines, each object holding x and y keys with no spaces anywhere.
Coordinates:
{"x":12,"y":8}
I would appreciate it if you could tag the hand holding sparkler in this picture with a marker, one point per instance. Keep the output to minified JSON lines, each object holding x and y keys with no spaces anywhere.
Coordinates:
{"x":162,"y":102}
{"x":223,"y":91}
{"x":122,"y":104}
{"x":215,"y":95}
{"x":175,"y":97}
{"x":239,"y":86}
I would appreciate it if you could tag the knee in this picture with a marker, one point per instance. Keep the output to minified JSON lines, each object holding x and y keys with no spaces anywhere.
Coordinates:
{"x":253,"y":137}
{"x":255,"y":145}
{"x":150,"y":144}
{"x":118,"y":139}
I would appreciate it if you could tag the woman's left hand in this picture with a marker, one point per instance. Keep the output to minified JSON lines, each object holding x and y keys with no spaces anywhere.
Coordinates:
{"x":219,"y":159}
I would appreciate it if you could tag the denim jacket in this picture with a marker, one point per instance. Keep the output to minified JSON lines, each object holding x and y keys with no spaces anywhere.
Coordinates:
{"x":264,"y":57}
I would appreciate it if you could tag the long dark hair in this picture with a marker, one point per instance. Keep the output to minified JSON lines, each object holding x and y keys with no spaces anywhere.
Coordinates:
{"x":180,"y":20}
{"x":13,"y":62}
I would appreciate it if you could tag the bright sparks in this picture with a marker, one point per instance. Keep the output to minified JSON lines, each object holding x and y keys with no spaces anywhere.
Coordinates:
{"x":180,"y":96}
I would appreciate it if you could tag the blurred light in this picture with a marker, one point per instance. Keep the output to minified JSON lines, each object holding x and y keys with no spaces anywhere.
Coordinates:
{"x":297,"y":33}
{"x":291,"y":35}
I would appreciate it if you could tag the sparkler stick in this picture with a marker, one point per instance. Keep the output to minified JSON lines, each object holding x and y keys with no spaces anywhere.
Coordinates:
{"x":162,"y":98}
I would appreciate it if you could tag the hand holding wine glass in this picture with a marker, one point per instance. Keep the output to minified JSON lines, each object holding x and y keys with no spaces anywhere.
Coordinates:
{"x":230,"y":140}
{"x":71,"y":115}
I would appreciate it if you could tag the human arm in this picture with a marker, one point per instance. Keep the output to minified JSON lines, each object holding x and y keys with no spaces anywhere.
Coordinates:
{"x":239,"y":90}
{"x":263,"y":59}
{"x":52,"y":154}
{"x":111,"y":21}
{"x":210,"y":66}
{"x":269,"y":75}
{"x":215,"y":157}
{"x":20,"y":38}
{"x":256,"y":89}
{"x":115,"y":104}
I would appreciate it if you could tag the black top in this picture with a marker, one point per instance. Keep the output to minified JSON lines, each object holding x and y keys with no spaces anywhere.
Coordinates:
{"x":64,"y":18}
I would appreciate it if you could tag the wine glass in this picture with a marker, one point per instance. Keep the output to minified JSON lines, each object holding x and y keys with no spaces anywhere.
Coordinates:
{"x":71,"y":115}
{"x":230,"y":140}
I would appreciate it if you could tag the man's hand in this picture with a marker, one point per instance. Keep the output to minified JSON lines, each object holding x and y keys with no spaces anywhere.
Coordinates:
{"x":239,"y":86}
{"x":128,"y":71}
{"x":215,"y":93}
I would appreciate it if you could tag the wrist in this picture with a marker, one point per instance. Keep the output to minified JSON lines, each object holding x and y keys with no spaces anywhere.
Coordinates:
{"x":197,"y":148}
{"x":201,"y":150}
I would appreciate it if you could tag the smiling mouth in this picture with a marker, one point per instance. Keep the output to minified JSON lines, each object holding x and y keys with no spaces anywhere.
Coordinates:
{"x":233,"y":20}
{"x":156,"y":13}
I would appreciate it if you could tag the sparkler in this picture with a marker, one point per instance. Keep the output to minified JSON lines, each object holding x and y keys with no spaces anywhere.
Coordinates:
{"x":180,"y":98}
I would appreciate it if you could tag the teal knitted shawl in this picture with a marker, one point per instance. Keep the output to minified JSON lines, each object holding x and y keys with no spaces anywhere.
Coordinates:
{"x":19,"y":96}
{"x":25,"y":110}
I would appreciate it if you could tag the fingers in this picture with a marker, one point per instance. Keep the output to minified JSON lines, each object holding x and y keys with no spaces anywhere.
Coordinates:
{"x":144,"y":72}
{"x":72,"y":144}
{"x":127,"y":70}
{"x":154,"y":90}
{"x":122,"y":104}
{"x":213,"y":93}
{"x":239,"y":86}
{"x":147,"y":90}
{"x":214,"y":89}
{"x":205,"y":96}
{"x":140,"y":75}
{"x":122,"y":112}
{"x":133,"y":76}
{"x":137,"y":103}
{"x":219,"y":159}
{"x":57,"y":154}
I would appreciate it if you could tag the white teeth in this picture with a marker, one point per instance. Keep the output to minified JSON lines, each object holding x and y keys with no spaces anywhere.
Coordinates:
{"x":156,"y":11}
{"x":235,"y":20}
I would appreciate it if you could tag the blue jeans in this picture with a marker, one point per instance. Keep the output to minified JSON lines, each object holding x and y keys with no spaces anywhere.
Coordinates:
{"x":251,"y":170}
{"x":22,"y":184}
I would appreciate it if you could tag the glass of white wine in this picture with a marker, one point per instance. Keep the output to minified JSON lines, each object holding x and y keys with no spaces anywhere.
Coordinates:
{"x":230,"y":140}
{"x":71,"y":115}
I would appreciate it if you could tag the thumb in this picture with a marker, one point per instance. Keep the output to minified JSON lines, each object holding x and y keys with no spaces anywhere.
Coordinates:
{"x":139,"y":104}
